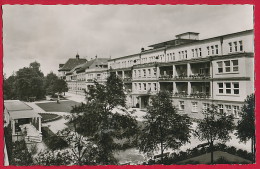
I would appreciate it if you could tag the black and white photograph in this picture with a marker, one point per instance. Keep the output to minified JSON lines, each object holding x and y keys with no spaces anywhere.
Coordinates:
{"x":128,"y":85}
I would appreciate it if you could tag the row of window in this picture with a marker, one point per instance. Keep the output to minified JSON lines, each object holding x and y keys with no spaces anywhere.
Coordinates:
{"x":229,"y":88}
{"x":227,"y":66}
{"x":212,"y":50}
{"x":145,"y":86}
{"x":145,"y":72}
{"x":236,"y":46}
{"x":229,"y":109}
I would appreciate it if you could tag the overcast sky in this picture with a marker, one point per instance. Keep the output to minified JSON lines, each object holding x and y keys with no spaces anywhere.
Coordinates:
{"x":52,"y":34}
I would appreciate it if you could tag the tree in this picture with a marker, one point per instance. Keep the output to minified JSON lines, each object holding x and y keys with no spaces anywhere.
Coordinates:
{"x":215,"y":126}
{"x":106,"y":128}
{"x":80,"y":151}
{"x":61,"y":86}
{"x":50,"y":83}
{"x":26,"y":83}
{"x":246,"y":126}
{"x":164,"y":127}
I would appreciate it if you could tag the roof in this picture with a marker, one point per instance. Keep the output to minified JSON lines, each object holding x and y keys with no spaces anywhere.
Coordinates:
{"x":97,"y":61}
{"x":19,"y":110}
{"x":71,"y":63}
{"x":16,"y":105}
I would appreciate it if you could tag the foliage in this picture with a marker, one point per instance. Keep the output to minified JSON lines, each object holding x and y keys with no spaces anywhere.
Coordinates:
{"x":164,"y":127}
{"x":53,"y":141}
{"x":56,"y":158}
{"x":54,"y":85}
{"x":20,"y":154}
{"x":105,"y":126}
{"x":215,"y":126}
{"x":47,"y":117}
{"x":26,"y":83}
{"x":8,"y":140}
{"x":246,"y":126}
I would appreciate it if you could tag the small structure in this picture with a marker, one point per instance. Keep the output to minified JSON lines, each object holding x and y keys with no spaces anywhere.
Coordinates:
{"x":25,"y":122}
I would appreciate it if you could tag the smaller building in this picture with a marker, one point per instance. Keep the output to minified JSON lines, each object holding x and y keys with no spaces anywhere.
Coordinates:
{"x":24,"y":120}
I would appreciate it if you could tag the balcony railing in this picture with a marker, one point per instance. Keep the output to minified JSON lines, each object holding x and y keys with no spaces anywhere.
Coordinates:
{"x":191,"y":77}
{"x":127,"y":79}
{"x":199,"y":95}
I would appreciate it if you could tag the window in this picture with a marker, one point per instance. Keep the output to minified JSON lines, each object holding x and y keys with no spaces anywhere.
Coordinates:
{"x":205,"y":107}
{"x":228,"y":109}
{"x":208,"y":50}
{"x":194,"y":107}
{"x":155,"y":87}
{"x":236,"y":88}
{"x":192,"y":50}
{"x":144,"y":72}
{"x":186,"y":54}
{"x":196,"y":52}
{"x":144,"y":86}
{"x":155,"y":72}
{"x":220,"y":108}
{"x":240,"y":45}
{"x":134,"y":73}
{"x":220,"y":67}
{"x":200,"y":52}
{"x":227,"y":66}
{"x":228,"y":88}
{"x":236,"y":111}
{"x":216,"y":49}
{"x":220,"y":88}
{"x":136,"y":86}
{"x":149,"y":72}
{"x":230,"y":47}
{"x":212,"y":50}
{"x":139,"y":73}
{"x":235,"y":46}
{"x":173,"y":55}
{"x":140,"y":86}
{"x":181,"y":105}
{"x":235,"y":65}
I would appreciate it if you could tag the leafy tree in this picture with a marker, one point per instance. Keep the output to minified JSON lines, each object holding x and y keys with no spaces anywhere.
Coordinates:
{"x":246,"y":126}
{"x":61,"y":86}
{"x":215,"y":126}
{"x":164,"y":127}
{"x":49,"y":83}
{"x":107,"y":129}
{"x":26,"y":83}
{"x":20,"y":154}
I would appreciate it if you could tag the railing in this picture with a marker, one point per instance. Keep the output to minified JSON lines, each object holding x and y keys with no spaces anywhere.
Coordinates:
{"x":127,"y":79}
{"x":191,"y":77}
{"x":199,"y":95}
{"x":37,"y":139}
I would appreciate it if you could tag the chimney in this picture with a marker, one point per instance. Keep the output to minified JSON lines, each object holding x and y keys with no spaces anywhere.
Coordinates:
{"x":77,"y":56}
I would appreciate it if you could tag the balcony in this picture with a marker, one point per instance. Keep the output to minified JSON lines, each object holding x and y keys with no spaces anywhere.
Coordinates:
{"x":196,"y":95}
{"x":184,"y":77}
{"x":127,"y":79}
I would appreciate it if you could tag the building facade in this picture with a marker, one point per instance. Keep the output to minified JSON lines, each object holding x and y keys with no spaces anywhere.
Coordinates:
{"x":217,"y":70}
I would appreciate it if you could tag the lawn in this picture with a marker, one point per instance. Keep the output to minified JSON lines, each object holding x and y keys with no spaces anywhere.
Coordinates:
{"x":47,"y":117}
{"x":64,"y":106}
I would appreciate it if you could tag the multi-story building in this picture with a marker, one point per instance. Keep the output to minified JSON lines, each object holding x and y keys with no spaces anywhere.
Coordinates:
{"x":69,"y":65}
{"x":82,"y":76}
{"x":217,"y":70}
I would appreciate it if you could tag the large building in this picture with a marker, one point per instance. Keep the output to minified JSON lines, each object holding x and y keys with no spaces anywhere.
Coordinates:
{"x":217,"y":70}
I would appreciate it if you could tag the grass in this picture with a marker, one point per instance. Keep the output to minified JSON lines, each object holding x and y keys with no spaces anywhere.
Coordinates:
{"x":47,"y":117}
{"x":64,"y":106}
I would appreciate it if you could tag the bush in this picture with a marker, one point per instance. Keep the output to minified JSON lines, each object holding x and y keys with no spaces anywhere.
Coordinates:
{"x":52,"y":140}
{"x":20,"y":154}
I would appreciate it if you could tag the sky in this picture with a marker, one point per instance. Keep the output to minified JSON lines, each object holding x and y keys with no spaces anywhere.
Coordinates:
{"x":51,"y":35}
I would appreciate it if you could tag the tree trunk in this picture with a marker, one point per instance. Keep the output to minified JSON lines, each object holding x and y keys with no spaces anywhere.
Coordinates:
{"x":211,"y":152}
{"x":161,"y":152}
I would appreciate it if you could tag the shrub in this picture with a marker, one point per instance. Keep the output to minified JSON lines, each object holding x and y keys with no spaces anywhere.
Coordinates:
{"x":20,"y":154}
{"x":52,"y":140}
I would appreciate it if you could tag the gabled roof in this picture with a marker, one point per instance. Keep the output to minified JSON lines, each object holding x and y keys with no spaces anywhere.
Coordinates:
{"x":71,"y":63}
{"x":96,"y":61}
